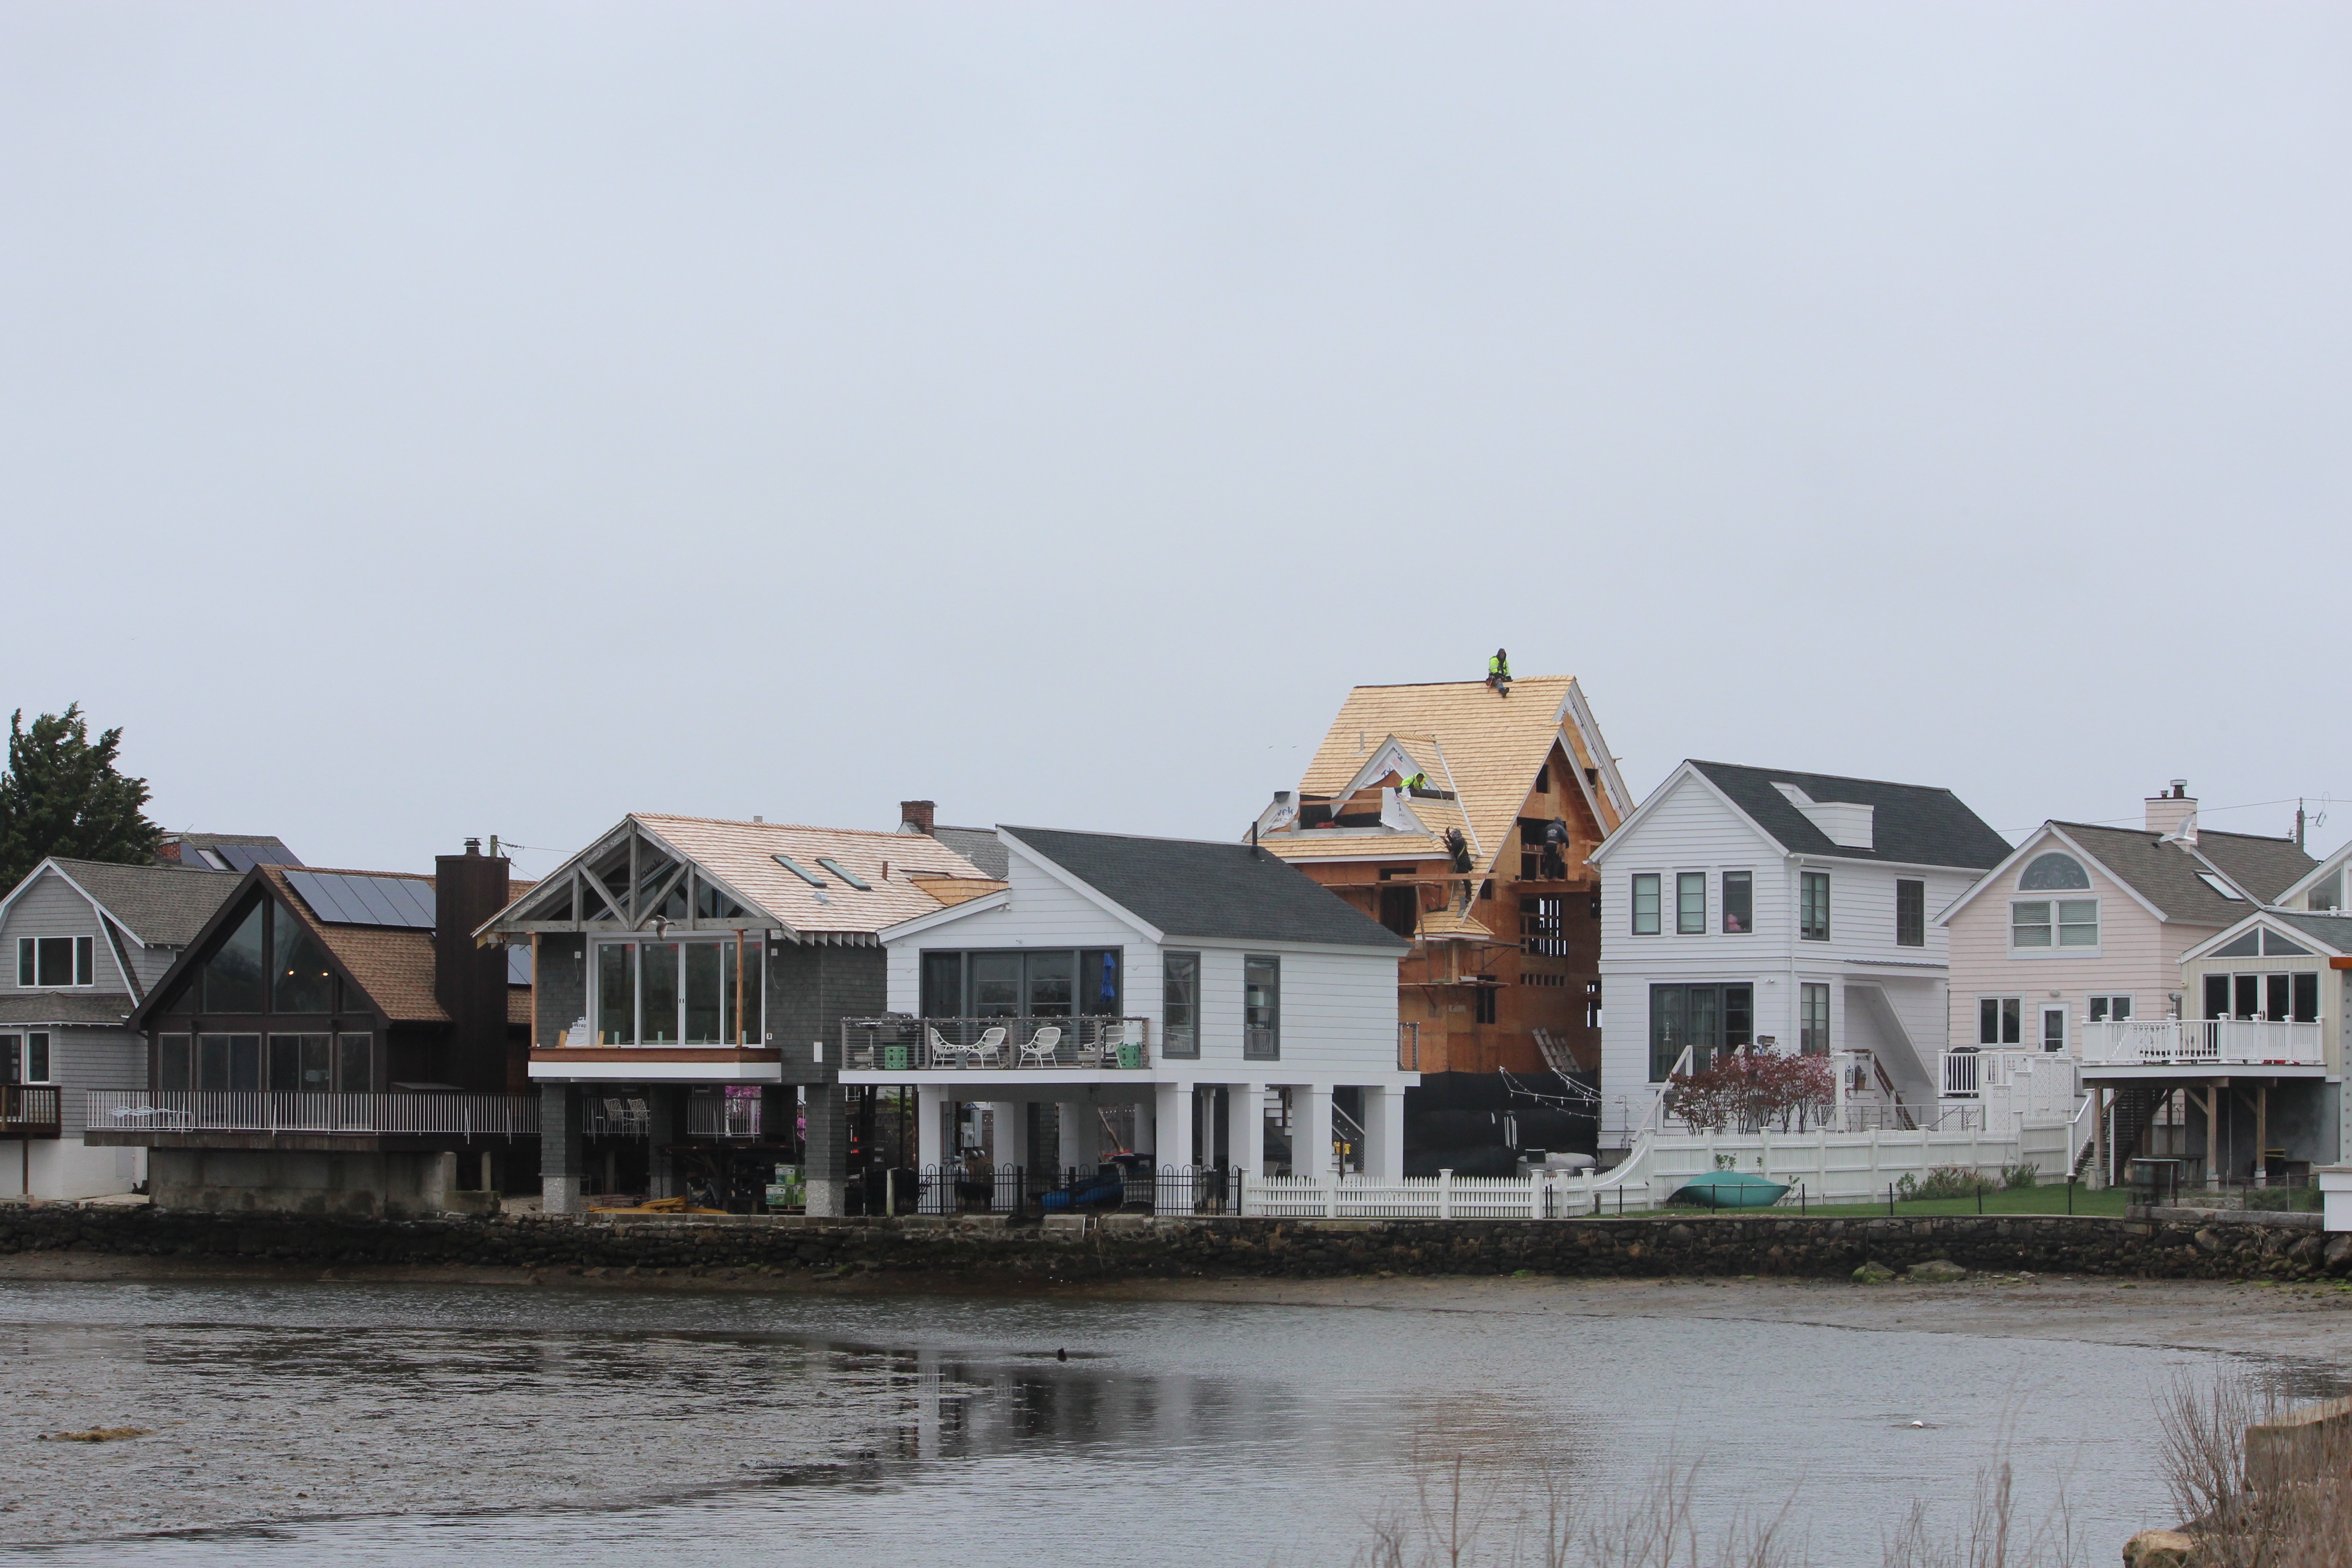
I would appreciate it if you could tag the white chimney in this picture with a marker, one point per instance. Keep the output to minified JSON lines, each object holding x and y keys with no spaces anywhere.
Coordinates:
{"x":2170,"y":812}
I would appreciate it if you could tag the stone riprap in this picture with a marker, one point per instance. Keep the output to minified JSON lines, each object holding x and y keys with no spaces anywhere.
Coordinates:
{"x":1139,"y":1247}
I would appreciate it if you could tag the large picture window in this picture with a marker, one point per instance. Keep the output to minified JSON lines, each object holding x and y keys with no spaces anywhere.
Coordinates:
{"x":1646,"y":898}
{"x":1179,"y":1004}
{"x":1707,"y":1020}
{"x":1262,"y":1007}
{"x":57,"y":962}
{"x":1910,"y":912}
{"x":1814,"y":906}
{"x":228,"y":1064}
{"x":1050,"y":982}
{"x":235,"y":976}
{"x":678,"y":994}
{"x":300,"y":981}
{"x":320,"y":1064}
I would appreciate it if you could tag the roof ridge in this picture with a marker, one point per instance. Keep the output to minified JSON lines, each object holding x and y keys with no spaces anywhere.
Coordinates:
{"x":1841,"y":778}
{"x":1137,"y":837}
{"x":791,"y":826}
{"x":1432,"y":685}
{"x":139,"y":866}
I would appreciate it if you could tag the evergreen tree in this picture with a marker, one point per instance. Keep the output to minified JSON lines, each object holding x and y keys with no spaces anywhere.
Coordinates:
{"x":62,"y":795}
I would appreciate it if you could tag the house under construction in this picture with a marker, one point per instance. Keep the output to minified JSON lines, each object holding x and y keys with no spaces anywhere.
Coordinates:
{"x":1460,"y":815}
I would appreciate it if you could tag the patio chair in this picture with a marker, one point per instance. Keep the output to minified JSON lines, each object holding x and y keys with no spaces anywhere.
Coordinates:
{"x":1091,"y":1052}
{"x":945,"y":1053}
{"x":639,"y":1116}
{"x":1042,"y":1048}
{"x":861,"y":1057}
{"x":987,"y":1051}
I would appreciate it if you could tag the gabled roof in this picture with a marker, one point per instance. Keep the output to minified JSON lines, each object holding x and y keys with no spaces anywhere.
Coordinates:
{"x":2165,"y":872}
{"x":978,"y":845}
{"x":159,"y":906}
{"x":239,"y":852}
{"x":1483,"y":746}
{"x":1186,"y":888}
{"x":2332,"y":932}
{"x":1911,"y":824}
{"x":2332,"y":866}
{"x":101,"y":1009}
{"x":2263,"y":866}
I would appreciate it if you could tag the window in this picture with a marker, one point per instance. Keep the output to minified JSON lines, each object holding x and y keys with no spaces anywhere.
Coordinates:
{"x":797,"y":869}
{"x":171,"y":1062}
{"x":2305,"y":1007}
{"x":845,"y":873}
{"x":2075,"y":922}
{"x":234,"y":978}
{"x":2053,"y":873}
{"x":1738,"y":902}
{"x":2110,"y":1010}
{"x":943,"y":985}
{"x":1813,"y":907}
{"x":1483,"y":998}
{"x":1262,"y":1007}
{"x":1813,"y":1020}
{"x":228,"y":1064}
{"x":299,"y":982}
{"x":2328,"y":893}
{"x":2221,"y":887}
{"x":1910,"y":912}
{"x":24,"y":1058}
{"x":356,"y":1063}
{"x":1645,"y":903}
{"x":678,"y":992}
{"x":1690,"y":903}
{"x":1543,"y":925}
{"x":1179,"y":1005}
{"x":1999,"y":1020}
{"x":1054,"y":982}
{"x":2078,"y":922}
{"x":56,"y":961}
{"x":1705,"y":1020}
{"x":302,"y":1064}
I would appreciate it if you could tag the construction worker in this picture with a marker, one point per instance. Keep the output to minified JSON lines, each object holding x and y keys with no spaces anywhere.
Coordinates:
{"x":1498,"y":670}
{"x":1459,"y":848}
{"x":1417,"y":781}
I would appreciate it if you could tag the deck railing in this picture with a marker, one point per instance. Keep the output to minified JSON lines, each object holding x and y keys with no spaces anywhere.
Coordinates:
{"x":722,"y":1116}
{"x":2199,"y":1042}
{"x":183,"y":1111}
{"x":896,"y":1044}
{"x":29,"y":1111}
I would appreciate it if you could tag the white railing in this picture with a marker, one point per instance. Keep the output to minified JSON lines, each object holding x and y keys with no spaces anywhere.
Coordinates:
{"x":182,"y":1110}
{"x":2191,"y":1042}
{"x":1556,"y":1195}
{"x":722,"y":1116}
{"x":895,"y":1042}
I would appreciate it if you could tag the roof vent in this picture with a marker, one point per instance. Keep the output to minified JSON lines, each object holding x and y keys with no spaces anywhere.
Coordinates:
{"x":1847,"y":824}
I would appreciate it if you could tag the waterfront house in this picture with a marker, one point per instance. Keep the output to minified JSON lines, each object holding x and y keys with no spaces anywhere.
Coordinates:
{"x":1746,"y":905}
{"x":333,"y":1042}
{"x":1461,"y":816}
{"x":2321,"y":890}
{"x":692,"y":976}
{"x":1186,"y":1004}
{"x":85,"y":941}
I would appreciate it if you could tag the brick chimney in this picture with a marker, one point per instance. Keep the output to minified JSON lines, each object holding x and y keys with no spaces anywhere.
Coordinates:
{"x":917,"y":816}
{"x":2168,"y":811}
{"x":470,"y":982}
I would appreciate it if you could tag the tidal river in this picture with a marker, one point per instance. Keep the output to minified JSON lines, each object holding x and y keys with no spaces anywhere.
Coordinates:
{"x":319,"y":1422}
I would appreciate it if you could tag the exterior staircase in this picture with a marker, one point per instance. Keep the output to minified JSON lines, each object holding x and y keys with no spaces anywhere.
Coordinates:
{"x":2134,"y":1109}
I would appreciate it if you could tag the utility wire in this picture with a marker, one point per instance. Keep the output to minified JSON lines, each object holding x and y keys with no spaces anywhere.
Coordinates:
{"x":2324,"y":800}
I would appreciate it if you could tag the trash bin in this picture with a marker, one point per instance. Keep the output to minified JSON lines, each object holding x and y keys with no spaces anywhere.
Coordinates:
{"x":2153,"y":1183}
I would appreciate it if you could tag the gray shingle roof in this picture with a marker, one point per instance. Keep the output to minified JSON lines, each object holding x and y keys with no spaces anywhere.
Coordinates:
{"x":2265,"y":866}
{"x":1189,"y":888}
{"x":2335,"y":930}
{"x":102,"y":1008}
{"x":2166,"y":874}
{"x":163,"y":906}
{"x":1912,"y":825}
{"x":977,"y":845}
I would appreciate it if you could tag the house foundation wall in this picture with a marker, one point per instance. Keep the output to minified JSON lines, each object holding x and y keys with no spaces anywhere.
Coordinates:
{"x":303,"y":1181}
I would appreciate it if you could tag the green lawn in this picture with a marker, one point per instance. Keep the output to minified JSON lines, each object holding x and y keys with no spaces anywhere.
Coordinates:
{"x":2108,"y":1204}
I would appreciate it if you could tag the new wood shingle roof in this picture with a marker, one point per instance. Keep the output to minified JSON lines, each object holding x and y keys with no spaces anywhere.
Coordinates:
{"x":742,"y":855}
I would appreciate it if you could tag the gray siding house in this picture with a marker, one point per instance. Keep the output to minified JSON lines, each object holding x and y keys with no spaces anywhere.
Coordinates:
{"x":84,"y":943}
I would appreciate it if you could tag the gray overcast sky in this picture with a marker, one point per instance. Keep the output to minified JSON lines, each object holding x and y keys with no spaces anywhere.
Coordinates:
{"x":422,"y":420}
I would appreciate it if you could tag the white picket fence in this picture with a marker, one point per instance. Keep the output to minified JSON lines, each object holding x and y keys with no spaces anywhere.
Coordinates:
{"x":1817,"y":1167}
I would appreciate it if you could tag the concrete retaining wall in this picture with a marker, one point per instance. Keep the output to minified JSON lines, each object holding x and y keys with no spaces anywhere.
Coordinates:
{"x":302,"y":1182}
{"x":1144,"y":1248}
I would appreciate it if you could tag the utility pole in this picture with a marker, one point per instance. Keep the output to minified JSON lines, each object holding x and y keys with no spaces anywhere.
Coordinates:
{"x":2298,"y":822}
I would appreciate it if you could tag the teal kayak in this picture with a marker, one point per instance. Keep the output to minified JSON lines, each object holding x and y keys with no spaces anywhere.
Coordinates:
{"x":1730,"y":1190}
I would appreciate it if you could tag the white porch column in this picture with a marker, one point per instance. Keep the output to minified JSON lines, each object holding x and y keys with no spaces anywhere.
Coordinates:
{"x":1147,"y":1117}
{"x":930,"y":1136}
{"x":1172,"y":1125}
{"x":1078,"y":1136}
{"x":1310,"y":1131}
{"x":1008,"y":1121}
{"x":1245,"y":1127}
{"x":1384,"y":1134}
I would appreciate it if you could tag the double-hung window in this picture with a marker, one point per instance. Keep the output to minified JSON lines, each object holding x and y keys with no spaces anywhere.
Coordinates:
{"x":56,"y":961}
{"x":2042,"y":923}
{"x":1738,"y":902}
{"x":1814,"y":906}
{"x":1813,"y":1021}
{"x":1179,"y":1005}
{"x":1910,"y":912}
{"x":2110,"y":1010}
{"x":2000,"y":1020}
{"x":1262,"y":1007}
{"x":1646,"y":900}
{"x":1690,"y":903}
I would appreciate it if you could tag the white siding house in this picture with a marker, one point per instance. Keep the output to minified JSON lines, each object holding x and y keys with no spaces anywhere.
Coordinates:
{"x":1744,"y":905}
{"x":1186,"y":985}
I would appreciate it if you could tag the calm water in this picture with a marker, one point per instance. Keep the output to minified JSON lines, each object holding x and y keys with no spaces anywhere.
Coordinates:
{"x":907,"y":1431}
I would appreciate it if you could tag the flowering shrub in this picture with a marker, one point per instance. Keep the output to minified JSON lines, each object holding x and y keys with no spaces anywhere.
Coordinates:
{"x":1753,"y":1089}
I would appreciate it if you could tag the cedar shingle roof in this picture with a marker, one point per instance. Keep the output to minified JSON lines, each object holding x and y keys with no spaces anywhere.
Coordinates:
{"x":163,"y":906}
{"x":1484,"y":747}
{"x":742,"y":855}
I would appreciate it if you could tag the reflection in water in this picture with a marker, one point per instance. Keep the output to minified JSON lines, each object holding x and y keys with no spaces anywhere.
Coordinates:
{"x":359,"y":1424}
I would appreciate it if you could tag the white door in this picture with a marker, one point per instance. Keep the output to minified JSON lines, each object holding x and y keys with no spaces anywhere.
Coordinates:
{"x":2053,"y":1026}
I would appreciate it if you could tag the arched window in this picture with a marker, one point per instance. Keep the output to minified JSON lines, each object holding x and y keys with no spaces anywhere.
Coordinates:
{"x":2053,"y":872}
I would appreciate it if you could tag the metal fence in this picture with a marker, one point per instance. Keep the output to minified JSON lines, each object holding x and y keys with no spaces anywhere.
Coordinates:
{"x":1017,"y":1190}
{"x":722,"y":1116}
{"x":899,"y":1044}
{"x":183,"y":1111}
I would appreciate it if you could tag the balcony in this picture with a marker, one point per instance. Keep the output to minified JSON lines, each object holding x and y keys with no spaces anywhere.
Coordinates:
{"x":992,"y":1044}
{"x":2203,"y":1042}
{"x":175,"y":1117}
{"x":29,"y":1111}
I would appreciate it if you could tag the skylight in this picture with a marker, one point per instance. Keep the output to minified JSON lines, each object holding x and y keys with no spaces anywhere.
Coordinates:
{"x":797,"y":869}
{"x":845,"y":873}
{"x":2221,"y":887}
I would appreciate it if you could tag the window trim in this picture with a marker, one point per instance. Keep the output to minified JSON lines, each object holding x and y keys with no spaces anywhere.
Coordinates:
{"x":24,"y":1045}
{"x":1807,"y":991}
{"x":1271,"y":1050}
{"x":2009,"y":1013}
{"x":81,"y":964}
{"x":1168,"y":1045}
{"x":1657,"y":903}
{"x":1686,"y":923}
{"x":1806,"y":882}
{"x":1917,"y":928}
{"x":2094,"y":1012}
{"x":1747,"y":881}
{"x":2057,"y":925}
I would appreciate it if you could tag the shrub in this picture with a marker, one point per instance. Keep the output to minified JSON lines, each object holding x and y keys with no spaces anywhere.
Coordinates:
{"x":1753,"y":1088}
{"x":2024,"y":1173}
{"x":1944,"y":1181}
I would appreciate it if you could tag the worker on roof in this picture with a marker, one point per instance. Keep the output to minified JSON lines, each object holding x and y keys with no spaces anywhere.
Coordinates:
{"x":1498,"y":670}
{"x":1459,"y":848}
{"x":1417,"y":781}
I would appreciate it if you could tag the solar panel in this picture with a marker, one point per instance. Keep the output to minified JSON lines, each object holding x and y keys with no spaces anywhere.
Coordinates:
{"x":518,"y":966}
{"x":365,"y":901}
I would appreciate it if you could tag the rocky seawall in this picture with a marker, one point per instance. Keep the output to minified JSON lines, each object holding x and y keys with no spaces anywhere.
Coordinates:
{"x":2167,"y":1244}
